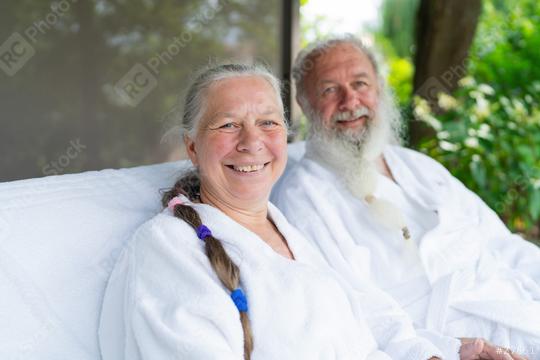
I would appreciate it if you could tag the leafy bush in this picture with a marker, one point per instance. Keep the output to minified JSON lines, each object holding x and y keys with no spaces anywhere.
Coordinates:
{"x":505,"y":51}
{"x":400,"y":78}
{"x":489,"y":134}
{"x":491,"y":142}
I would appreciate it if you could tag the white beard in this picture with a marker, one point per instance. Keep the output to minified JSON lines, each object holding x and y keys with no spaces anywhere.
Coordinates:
{"x":353,"y":154}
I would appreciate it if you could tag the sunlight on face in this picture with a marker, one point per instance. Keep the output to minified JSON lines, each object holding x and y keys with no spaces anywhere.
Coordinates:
{"x":241,"y":143}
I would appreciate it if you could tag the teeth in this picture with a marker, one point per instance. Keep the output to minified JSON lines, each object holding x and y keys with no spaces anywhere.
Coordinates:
{"x":248,"y":168}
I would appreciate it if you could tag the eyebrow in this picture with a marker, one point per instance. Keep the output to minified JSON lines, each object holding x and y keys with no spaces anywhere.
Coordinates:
{"x":362,"y":74}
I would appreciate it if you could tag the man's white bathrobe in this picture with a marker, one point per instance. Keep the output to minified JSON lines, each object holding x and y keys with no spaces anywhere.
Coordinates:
{"x":164,"y":301}
{"x":461,"y":274}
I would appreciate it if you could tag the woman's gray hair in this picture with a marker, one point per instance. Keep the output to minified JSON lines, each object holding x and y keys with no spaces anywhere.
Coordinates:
{"x":195,"y":102}
{"x":305,"y":61}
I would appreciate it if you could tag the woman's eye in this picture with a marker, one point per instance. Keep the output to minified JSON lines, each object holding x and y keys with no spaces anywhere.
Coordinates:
{"x":225,"y":127}
{"x":228,"y":126}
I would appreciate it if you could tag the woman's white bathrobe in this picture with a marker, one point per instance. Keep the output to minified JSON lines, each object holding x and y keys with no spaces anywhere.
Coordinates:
{"x":164,"y":301}
{"x":479,"y":279}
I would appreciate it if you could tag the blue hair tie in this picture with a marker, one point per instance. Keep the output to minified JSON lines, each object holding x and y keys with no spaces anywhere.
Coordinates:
{"x":203,"y":232}
{"x":239,"y":300}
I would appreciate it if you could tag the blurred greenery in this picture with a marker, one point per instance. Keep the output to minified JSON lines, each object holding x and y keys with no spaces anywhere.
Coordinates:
{"x":399,"y":19}
{"x":395,"y":39}
{"x":489,"y":132}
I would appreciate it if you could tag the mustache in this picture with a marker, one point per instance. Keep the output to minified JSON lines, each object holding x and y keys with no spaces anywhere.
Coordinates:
{"x":354,"y":114}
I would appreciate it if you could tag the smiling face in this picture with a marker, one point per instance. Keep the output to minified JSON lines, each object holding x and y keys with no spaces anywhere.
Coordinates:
{"x":240,"y":146}
{"x":343,"y":89}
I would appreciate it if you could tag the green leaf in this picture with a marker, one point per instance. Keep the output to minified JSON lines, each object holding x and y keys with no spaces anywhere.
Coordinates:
{"x":534,"y":205}
{"x":478,"y":173}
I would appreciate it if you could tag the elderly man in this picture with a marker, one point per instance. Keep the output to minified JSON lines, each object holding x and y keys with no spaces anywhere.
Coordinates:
{"x":379,"y":211}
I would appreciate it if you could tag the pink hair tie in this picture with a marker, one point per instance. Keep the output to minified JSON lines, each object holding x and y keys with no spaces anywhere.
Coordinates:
{"x":173,"y":202}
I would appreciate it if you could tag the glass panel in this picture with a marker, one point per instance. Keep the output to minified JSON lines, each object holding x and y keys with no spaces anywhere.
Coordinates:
{"x":88,"y":85}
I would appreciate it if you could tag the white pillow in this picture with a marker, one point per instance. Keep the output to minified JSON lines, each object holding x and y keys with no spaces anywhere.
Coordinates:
{"x":59,"y":239}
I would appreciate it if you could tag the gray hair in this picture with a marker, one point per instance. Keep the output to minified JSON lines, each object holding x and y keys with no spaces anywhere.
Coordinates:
{"x":195,"y":102}
{"x":305,"y":61}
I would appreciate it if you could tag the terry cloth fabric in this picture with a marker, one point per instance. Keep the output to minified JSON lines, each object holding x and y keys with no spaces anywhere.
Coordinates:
{"x":60,"y":237}
{"x":59,"y":240}
{"x":476,"y":280}
{"x":164,"y":300}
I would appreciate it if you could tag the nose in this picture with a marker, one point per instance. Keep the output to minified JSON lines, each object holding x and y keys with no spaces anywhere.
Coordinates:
{"x":250,"y":140}
{"x":349,"y":100}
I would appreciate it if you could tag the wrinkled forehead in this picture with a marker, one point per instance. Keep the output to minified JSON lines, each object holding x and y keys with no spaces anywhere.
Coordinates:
{"x":241,"y":95}
{"x":342,"y":59}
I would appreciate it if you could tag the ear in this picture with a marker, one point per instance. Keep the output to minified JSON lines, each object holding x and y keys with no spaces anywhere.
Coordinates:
{"x":190,"y":149}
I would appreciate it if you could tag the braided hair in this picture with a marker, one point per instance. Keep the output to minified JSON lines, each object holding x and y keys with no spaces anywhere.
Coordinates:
{"x":226,"y":270}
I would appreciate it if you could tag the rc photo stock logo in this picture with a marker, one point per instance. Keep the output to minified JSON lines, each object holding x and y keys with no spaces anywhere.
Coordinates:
{"x":140,"y":80}
{"x":16,"y":50}
{"x":14,"y":53}
{"x":430,"y":91}
{"x":434,"y":86}
{"x":135,"y":85}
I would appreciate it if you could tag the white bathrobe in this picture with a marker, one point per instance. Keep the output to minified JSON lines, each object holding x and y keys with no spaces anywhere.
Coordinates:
{"x":462,"y":274}
{"x":164,"y":301}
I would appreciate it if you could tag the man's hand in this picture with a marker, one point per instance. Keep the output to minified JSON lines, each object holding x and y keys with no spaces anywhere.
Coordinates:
{"x":480,"y":349}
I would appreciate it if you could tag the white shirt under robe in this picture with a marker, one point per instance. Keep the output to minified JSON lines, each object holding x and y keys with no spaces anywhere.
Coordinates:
{"x":462,"y":274}
{"x":164,"y":301}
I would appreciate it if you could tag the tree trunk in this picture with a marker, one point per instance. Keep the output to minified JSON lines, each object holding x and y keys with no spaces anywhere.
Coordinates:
{"x":444,"y":34}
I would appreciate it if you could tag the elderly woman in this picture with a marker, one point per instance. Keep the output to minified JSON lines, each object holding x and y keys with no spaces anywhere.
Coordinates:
{"x":220,"y":274}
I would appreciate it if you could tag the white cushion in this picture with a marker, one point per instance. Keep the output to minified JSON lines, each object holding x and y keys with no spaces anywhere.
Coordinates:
{"x":59,"y":239}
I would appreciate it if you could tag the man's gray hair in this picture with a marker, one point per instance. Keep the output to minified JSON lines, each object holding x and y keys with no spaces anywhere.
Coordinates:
{"x":305,"y":61}
{"x":195,"y":102}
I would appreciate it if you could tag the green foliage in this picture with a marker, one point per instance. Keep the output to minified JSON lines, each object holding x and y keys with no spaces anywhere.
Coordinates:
{"x":505,"y":52}
{"x":400,"y":77}
{"x":489,"y":134}
{"x":399,"y":18}
{"x":491,"y":142}
{"x":395,"y":39}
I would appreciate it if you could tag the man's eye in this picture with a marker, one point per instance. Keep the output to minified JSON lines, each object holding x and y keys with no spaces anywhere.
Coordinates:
{"x":329,"y":90}
{"x":269,"y":123}
{"x":359,"y":84}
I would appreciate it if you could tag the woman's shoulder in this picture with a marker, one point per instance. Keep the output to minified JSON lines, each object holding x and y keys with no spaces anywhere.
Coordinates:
{"x":166,"y":247}
{"x":163,"y":231}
